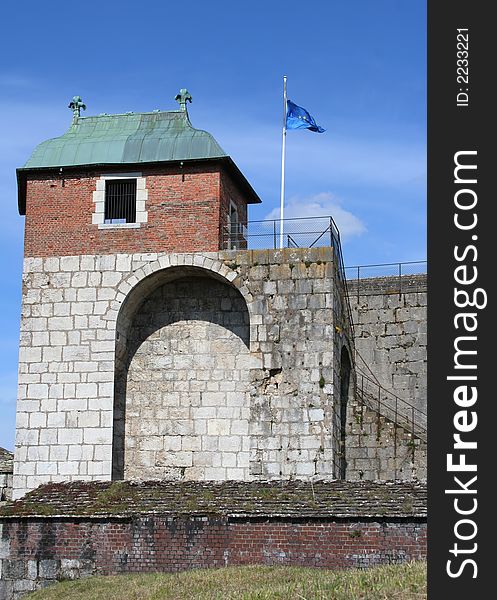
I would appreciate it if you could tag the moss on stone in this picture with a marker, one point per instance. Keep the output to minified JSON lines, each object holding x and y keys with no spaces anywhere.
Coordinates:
{"x":119,"y":496}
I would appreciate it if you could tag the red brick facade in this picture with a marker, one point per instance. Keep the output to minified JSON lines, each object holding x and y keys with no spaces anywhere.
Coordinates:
{"x":71,"y":530}
{"x":160,"y":543}
{"x":187,"y":211}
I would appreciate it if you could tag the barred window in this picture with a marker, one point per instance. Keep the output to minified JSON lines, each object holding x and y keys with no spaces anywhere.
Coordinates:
{"x":120,"y":201}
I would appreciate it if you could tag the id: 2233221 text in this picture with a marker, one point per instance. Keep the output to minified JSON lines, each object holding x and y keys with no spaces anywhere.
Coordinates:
{"x":463,"y":67}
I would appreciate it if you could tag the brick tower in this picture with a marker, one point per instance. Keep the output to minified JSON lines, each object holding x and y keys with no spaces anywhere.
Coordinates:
{"x":154,"y":345}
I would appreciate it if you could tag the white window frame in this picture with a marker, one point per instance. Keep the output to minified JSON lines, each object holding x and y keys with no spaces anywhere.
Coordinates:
{"x":98,"y":217}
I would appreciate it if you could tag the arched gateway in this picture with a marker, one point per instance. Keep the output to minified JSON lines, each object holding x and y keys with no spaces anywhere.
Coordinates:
{"x":181,"y":404}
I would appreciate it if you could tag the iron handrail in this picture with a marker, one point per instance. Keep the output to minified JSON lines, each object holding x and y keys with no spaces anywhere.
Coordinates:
{"x":405,"y":262}
{"x":293,"y":228}
{"x":400,"y":266}
{"x":387,"y":404}
{"x":372,"y":377}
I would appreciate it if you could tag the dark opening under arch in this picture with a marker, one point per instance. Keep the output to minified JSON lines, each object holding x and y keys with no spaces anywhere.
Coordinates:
{"x":180,"y":387}
{"x":345,"y":369}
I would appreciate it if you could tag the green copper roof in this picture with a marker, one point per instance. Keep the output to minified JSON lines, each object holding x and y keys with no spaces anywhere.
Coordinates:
{"x":127,"y":139}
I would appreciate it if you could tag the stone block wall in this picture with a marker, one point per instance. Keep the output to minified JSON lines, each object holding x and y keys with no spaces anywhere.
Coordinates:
{"x":6,"y":468}
{"x":389,"y":315}
{"x":379,"y":449}
{"x":182,"y":389}
{"x":74,"y":308}
{"x":390,"y":332}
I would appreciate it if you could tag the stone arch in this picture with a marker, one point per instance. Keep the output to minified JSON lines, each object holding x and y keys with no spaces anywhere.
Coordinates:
{"x":345,"y":390}
{"x":213,"y":267}
{"x":181,"y":377}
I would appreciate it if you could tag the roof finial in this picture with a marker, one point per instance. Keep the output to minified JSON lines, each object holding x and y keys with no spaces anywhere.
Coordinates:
{"x":76,"y":105}
{"x":182,"y":98}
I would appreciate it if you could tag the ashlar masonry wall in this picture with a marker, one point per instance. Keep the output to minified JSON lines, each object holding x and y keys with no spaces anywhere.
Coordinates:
{"x":389,"y":316}
{"x":378,"y":449}
{"x":390,"y":332}
{"x":182,"y":389}
{"x":6,"y":460}
{"x":271,"y":413}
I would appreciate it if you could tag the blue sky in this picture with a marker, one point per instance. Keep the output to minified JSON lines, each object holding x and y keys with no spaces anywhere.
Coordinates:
{"x":358,"y":67}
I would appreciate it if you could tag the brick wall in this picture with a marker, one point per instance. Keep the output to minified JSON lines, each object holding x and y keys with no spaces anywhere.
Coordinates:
{"x":230,"y":193}
{"x":186,"y":210}
{"x":36,"y":552}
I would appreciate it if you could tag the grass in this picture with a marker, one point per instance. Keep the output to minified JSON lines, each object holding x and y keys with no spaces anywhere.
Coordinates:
{"x":392,"y":582}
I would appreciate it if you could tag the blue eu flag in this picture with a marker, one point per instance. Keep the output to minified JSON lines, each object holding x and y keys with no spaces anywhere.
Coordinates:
{"x":298,"y":118}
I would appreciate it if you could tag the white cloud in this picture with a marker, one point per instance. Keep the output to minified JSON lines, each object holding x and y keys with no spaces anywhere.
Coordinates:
{"x":323,"y":204}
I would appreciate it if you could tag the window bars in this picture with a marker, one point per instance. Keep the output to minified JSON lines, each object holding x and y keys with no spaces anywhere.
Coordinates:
{"x":120,"y":201}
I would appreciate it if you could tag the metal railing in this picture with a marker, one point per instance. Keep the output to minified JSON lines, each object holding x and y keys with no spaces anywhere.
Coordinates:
{"x":398,"y":273}
{"x":310,"y":232}
{"x":371,"y":393}
{"x":385,"y":403}
{"x":305,"y":232}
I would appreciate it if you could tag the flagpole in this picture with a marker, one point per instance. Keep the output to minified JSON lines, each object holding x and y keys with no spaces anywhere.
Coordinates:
{"x":283,"y":144}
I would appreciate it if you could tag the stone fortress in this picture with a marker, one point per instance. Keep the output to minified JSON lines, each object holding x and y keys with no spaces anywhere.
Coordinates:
{"x":160,"y":343}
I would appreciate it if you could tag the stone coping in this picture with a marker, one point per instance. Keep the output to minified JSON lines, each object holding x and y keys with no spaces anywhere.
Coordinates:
{"x":291,"y":499}
{"x":387,"y":284}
